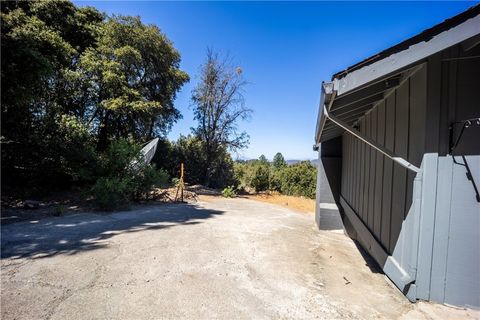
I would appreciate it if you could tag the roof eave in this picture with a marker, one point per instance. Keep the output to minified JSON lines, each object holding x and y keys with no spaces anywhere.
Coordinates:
{"x":325,"y":99}
{"x":415,"y":53}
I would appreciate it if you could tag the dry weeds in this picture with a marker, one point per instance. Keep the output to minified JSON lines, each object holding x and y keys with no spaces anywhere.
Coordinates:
{"x":301,"y":204}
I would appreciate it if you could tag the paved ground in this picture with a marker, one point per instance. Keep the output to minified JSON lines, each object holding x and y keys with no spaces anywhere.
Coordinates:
{"x":222,"y":258}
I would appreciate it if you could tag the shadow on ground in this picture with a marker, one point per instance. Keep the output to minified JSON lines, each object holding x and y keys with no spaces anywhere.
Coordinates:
{"x":84,"y":232}
{"x":369,"y":261}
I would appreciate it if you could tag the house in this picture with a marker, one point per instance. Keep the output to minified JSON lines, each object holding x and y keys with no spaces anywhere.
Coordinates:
{"x":398,"y":135}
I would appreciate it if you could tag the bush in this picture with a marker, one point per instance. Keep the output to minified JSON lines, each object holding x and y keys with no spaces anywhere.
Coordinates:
{"x":111,"y":193}
{"x":260,"y":177}
{"x":116,"y":160}
{"x":297,"y":180}
{"x":58,"y":210}
{"x":253,"y":175}
{"x":121,"y":182}
{"x":162,"y":179}
{"x":229,"y":192}
{"x":176,"y":182}
{"x":145,"y":179}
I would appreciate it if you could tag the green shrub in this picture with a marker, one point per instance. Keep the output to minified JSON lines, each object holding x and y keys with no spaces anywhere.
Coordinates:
{"x":297,"y":180}
{"x":162,"y":178}
{"x":275,"y":183}
{"x":229,"y":192}
{"x":145,"y":179}
{"x":75,"y":147}
{"x":116,"y":160}
{"x":111,"y":193}
{"x":121,"y":182}
{"x":58,"y":210}
{"x":176,"y":182}
{"x":260,"y":177}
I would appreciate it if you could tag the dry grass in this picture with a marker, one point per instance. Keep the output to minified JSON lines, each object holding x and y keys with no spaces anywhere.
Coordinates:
{"x":300,"y":204}
{"x":296,"y":203}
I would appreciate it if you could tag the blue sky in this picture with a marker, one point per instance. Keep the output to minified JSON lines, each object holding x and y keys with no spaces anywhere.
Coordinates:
{"x":285,"y":50}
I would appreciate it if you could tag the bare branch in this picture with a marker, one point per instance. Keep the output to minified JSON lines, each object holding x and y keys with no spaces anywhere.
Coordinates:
{"x":219,"y":105}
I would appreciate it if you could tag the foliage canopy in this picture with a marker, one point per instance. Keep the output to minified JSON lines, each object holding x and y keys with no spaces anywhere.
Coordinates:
{"x":73,"y":80}
{"x":298,"y":179}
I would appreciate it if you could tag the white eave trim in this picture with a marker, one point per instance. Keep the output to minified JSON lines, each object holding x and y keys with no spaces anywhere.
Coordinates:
{"x":414,"y":53}
{"x":326,"y":90}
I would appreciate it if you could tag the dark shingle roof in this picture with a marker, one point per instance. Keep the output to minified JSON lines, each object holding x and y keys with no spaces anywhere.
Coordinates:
{"x":425,"y":35}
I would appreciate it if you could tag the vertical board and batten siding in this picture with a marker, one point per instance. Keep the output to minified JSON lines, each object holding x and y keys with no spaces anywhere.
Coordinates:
{"x":373,"y":161}
{"x":399,"y":184}
{"x":380,"y":138}
{"x":377,"y":189}
{"x":455,"y":272}
{"x":426,"y":224}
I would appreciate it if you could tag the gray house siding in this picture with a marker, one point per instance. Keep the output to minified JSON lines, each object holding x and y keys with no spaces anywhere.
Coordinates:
{"x":377,"y":189}
{"x":422,"y":229}
{"x":455,"y":270}
{"x":455,"y":274}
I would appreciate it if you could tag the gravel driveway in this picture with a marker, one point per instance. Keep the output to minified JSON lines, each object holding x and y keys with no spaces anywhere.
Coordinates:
{"x":221,"y":258}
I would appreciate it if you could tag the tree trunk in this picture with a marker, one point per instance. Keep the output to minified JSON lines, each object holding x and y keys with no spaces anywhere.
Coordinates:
{"x":207,"y":173}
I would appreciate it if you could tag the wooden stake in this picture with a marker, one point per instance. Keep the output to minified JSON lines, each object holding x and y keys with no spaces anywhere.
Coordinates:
{"x":181,"y":181}
{"x":181,"y":185}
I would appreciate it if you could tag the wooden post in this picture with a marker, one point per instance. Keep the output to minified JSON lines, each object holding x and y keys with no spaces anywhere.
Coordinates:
{"x":181,"y":181}
{"x":181,"y":184}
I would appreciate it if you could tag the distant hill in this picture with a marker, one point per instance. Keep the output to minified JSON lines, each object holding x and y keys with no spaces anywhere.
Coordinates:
{"x":314,"y":162}
{"x":290,"y":162}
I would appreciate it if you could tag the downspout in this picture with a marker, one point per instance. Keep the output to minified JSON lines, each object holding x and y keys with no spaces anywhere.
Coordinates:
{"x":326,"y":92}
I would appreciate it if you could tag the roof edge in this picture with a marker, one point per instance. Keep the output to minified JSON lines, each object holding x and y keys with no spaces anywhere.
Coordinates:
{"x":425,"y":35}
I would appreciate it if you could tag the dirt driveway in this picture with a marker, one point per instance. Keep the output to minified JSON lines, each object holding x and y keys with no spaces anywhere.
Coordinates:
{"x":222,"y":258}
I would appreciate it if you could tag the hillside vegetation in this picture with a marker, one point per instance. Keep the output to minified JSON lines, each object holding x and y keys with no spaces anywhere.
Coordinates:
{"x":298,"y":179}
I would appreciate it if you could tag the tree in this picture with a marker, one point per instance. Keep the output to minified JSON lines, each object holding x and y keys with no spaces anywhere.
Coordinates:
{"x":73,"y":80}
{"x":41,"y":42}
{"x":263,"y":159}
{"x":189,"y":150}
{"x":135,"y":70}
{"x":218,"y":106}
{"x":279,"y":161}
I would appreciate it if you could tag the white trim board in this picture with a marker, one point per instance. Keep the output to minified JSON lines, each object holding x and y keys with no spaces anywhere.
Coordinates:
{"x":414,"y":53}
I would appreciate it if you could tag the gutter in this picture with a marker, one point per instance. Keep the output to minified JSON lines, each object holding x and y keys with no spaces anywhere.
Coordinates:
{"x":326,"y":96}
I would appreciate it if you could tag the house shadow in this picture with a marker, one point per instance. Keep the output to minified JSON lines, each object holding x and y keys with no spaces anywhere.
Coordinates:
{"x":86,"y":231}
{"x":369,"y":261}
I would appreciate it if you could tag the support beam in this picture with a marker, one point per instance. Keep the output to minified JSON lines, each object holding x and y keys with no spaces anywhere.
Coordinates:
{"x":370,"y":142}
